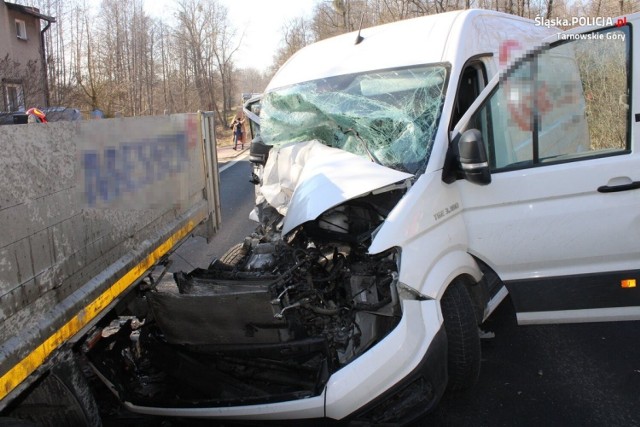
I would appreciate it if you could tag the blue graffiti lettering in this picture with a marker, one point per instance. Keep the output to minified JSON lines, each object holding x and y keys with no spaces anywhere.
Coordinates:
{"x":115,"y":171}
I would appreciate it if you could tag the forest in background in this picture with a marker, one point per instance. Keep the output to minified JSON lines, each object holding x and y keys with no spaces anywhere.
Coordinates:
{"x":119,"y":59}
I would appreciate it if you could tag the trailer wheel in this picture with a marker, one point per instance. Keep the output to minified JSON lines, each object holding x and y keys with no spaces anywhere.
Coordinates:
{"x":61,"y":398}
{"x":463,"y":341}
{"x":234,"y":255}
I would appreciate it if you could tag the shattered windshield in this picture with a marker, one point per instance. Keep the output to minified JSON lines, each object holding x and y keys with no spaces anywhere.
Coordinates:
{"x":389,"y":116}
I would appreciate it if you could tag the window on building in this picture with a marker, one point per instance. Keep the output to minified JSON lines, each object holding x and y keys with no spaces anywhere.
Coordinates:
{"x":21,"y":29}
{"x":14,"y":97}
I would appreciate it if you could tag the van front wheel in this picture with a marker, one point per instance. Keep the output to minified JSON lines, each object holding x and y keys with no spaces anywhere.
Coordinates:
{"x":234,"y":255}
{"x":463,"y":341}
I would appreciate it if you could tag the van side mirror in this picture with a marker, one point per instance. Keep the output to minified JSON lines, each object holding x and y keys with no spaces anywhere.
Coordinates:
{"x":472,"y":158}
{"x":259,"y":151}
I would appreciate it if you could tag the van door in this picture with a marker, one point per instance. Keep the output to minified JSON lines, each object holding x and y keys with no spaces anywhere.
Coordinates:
{"x":560,"y":220}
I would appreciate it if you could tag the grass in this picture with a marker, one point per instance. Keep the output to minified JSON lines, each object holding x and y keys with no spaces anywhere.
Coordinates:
{"x":224,"y":136}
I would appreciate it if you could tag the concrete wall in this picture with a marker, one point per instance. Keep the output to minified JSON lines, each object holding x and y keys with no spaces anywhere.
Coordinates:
{"x":80,"y":204}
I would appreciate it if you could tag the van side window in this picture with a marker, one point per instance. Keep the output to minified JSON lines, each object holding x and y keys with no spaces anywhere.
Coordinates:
{"x":472,"y":81}
{"x":565,"y":103}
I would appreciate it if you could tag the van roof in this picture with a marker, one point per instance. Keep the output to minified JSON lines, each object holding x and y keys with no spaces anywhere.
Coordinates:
{"x":446,"y":37}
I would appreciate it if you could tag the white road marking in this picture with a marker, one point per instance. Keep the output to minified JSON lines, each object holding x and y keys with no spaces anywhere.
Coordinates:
{"x":239,"y":158}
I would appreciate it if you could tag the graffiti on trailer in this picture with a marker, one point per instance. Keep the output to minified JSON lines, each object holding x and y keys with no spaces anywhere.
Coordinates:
{"x":111,"y":173}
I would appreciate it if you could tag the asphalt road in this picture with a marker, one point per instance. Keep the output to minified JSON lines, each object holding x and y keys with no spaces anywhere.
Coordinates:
{"x":532,"y":376}
{"x":551,"y":375}
{"x":236,"y":200}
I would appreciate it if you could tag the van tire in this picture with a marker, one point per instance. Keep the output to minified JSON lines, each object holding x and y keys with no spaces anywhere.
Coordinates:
{"x":463,"y":341}
{"x":234,"y":255}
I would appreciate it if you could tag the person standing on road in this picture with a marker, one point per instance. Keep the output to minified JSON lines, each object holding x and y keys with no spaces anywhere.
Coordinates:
{"x":237,"y":132}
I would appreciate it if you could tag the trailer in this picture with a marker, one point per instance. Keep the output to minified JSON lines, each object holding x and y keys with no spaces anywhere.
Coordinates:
{"x":87,"y":210}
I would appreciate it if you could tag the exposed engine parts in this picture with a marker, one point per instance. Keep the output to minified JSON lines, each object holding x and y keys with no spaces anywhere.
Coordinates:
{"x":318,"y":283}
{"x":273,"y":317}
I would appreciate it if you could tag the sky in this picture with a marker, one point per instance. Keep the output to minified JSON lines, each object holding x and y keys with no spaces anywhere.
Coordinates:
{"x":258,"y":22}
{"x":261,"y":22}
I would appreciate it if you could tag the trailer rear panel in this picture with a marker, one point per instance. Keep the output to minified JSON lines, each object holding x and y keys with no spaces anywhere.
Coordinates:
{"x":86,"y":208}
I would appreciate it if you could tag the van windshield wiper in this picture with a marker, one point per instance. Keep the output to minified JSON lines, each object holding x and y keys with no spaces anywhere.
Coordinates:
{"x":372,"y":157}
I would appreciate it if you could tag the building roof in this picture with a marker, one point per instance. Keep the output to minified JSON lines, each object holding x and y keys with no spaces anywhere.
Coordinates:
{"x":28,"y":10}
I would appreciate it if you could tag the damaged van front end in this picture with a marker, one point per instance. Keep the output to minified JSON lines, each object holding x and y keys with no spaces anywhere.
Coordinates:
{"x":302,"y":320}
{"x":298,"y":325}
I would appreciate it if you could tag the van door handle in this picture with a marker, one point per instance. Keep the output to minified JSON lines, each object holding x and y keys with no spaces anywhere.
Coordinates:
{"x":633,"y":185}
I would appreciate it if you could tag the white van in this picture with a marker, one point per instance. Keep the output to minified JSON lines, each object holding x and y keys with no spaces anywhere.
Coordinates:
{"x":404,"y":181}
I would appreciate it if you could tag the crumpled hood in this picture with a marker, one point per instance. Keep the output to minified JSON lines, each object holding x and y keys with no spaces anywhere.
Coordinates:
{"x":303,"y":180}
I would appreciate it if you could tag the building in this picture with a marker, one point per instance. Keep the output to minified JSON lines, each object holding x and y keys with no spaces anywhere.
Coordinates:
{"x":23,"y":72}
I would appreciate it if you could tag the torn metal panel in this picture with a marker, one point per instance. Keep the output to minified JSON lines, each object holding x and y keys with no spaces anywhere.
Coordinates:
{"x":301,"y":181}
{"x":213,"y":311}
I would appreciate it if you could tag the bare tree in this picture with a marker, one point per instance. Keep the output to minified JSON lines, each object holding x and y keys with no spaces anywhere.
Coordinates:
{"x":87,"y":75}
{"x":205,"y":35}
{"x":225,"y":45}
{"x":252,"y":80}
{"x":296,"y":34}
{"x":549,"y":9}
{"x":124,"y":62}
